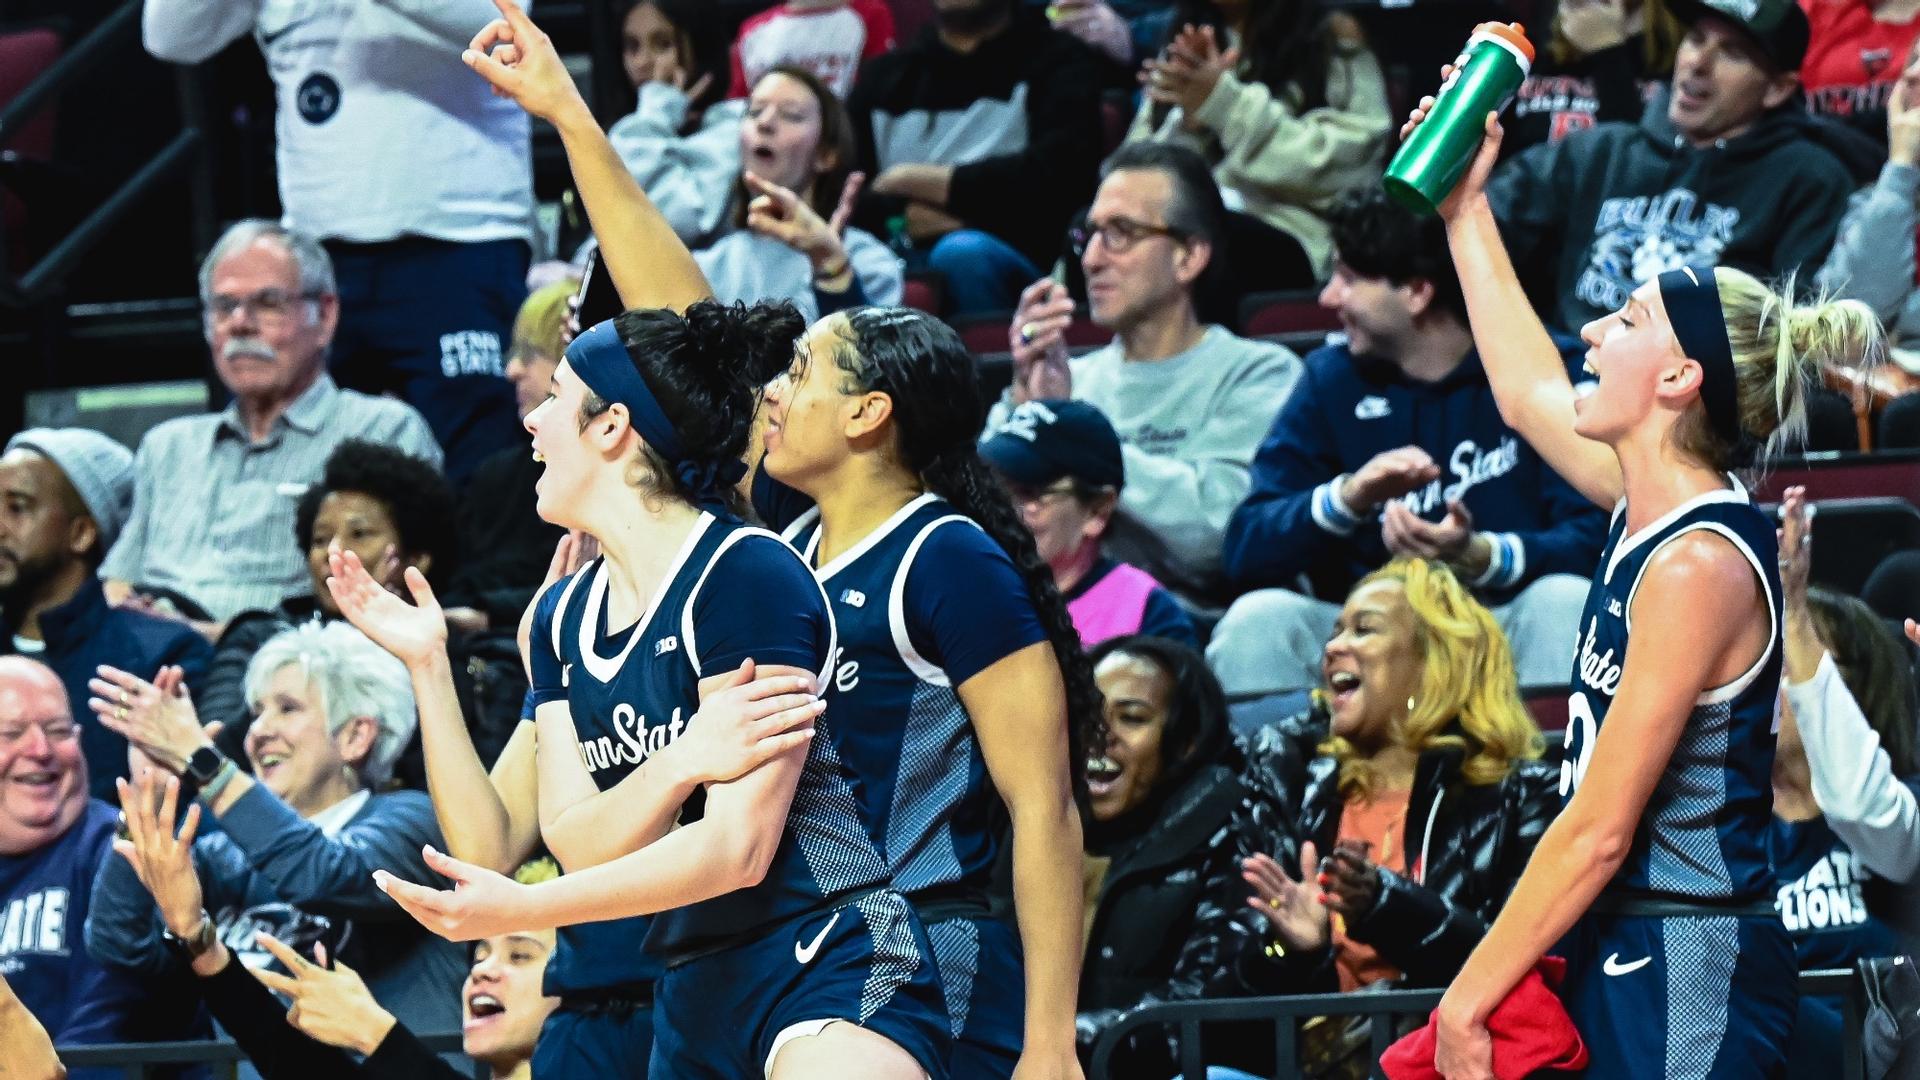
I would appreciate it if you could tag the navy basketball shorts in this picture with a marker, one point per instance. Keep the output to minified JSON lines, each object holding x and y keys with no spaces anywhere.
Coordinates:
{"x":1682,"y":997}
{"x":986,"y":994}
{"x":585,"y":1044}
{"x":725,"y":1016}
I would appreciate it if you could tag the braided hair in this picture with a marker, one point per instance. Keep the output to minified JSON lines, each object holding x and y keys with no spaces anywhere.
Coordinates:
{"x":939,"y":410}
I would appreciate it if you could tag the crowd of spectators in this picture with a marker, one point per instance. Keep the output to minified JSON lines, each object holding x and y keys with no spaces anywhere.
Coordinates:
{"x":1324,"y":594}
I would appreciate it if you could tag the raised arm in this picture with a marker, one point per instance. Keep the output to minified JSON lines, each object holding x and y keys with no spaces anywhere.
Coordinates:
{"x":1530,"y":383}
{"x":1696,"y":615}
{"x":489,"y":819}
{"x":651,"y":267}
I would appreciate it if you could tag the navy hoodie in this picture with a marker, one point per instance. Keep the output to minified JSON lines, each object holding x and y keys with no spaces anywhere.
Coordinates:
{"x":1606,"y":209}
{"x":44,"y":899}
{"x":1343,"y":412}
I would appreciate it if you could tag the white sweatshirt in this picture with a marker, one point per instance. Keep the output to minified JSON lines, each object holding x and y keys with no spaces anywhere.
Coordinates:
{"x":1869,"y":808}
{"x":381,"y":131}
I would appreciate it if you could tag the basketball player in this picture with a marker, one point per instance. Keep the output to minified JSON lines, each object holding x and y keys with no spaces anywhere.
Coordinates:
{"x":923,"y":743}
{"x":1654,"y":879}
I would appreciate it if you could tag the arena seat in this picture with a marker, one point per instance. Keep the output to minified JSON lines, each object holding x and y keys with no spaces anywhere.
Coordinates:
{"x":1894,"y":473}
{"x":1276,"y":313}
{"x":1548,"y":704}
{"x":24,"y":54}
{"x":987,"y":333}
{"x":926,"y":291}
{"x":1852,"y":536}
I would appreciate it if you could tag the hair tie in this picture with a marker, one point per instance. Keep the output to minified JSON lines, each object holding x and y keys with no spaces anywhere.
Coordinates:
{"x":708,"y":482}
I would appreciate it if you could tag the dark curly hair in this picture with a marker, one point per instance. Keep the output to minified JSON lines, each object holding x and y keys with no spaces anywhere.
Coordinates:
{"x":413,"y":492}
{"x":1377,"y":238}
{"x":1196,"y":732}
{"x":707,"y":369}
{"x":938,"y":411}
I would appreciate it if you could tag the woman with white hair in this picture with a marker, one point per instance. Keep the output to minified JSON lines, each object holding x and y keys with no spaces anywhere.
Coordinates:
{"x":302,"y":827}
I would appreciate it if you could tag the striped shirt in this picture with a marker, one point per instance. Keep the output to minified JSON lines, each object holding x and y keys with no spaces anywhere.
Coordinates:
{"x":213,"y":511}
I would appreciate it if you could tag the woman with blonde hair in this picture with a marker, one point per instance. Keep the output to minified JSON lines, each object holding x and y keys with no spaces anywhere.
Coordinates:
{"x":1394,"y":816}
{"x":1654,"y":881}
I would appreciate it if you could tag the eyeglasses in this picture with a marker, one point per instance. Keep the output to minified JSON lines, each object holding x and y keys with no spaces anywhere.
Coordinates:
{"x":59,"y":731}
{"x":1118,"y":235}
{"x":1028,"y":498}
{"x":267,"y":305}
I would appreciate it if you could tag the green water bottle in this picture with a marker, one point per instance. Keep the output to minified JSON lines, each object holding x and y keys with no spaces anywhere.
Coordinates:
{"x":1437,"y":153}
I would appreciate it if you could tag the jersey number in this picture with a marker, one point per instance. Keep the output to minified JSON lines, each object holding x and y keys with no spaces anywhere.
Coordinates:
{"x":1581,"y":732}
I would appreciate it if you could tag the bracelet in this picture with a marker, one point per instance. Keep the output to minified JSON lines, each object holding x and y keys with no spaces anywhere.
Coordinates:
{"x":228,"y":770}
{"x":835,"y":276}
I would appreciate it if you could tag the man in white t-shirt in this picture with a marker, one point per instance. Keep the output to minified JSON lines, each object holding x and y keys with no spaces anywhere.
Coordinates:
{"x":416,"y":178}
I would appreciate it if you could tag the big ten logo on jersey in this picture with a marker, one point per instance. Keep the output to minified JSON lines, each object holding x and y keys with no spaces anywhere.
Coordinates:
{"x":1827,"y":896}
{"x":1471,"y":466}
{"x":35,"y":923}
{"x":632,"y":741}
{"x":470,"y":352}
{"x":846,"y":673}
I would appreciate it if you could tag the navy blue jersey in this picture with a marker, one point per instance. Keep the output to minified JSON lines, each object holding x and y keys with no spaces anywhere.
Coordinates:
{"x":923,"y":603}
{"x":1824,"y":897}
{"x":1704,"y":832}
{"x":733,"y":592}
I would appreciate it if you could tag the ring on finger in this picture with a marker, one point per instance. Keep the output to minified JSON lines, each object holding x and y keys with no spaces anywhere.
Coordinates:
{"x":120,"y":713}
{"x":1026,"y":333}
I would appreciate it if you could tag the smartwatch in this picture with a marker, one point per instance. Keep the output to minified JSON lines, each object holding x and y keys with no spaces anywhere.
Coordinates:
{"x":204,"y":765}
{"x":196,"y":943}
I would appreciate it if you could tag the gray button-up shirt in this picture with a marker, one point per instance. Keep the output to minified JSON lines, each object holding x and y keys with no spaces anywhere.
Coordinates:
{"x":213,"y":511}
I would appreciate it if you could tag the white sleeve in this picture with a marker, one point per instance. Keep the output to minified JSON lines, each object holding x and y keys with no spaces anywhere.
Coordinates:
{"x":1869,"y":808}
{"x":189,"y":31}
{"x":690,"y":178}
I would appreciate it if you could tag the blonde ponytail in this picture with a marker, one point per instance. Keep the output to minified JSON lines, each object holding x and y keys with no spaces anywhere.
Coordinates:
{"x":1780,"y":349}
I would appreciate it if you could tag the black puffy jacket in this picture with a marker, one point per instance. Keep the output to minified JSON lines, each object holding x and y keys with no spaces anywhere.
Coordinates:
{"x":1470,"y":841}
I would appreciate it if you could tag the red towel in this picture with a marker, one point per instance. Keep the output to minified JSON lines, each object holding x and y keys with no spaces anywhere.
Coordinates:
{"x":1530,"y":1028}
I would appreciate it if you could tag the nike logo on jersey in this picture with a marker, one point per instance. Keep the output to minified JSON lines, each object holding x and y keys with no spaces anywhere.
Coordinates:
{"x":1371,"y":407}
{"x":1613,"y":966}
{"x":805,"y":953}
{"x":666,"y":645}
{"x":854,"y":598}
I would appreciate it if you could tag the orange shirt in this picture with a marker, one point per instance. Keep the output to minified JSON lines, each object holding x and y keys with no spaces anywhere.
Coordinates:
{"x":1381,"y":824}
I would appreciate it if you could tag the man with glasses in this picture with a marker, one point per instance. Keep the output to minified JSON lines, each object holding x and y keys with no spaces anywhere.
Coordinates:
{"x":1392,"y":445}
{"x":64,"y":497}
{"x":52,"y":840}
{"x":214,"y":495}
{"x":1188,"y":400}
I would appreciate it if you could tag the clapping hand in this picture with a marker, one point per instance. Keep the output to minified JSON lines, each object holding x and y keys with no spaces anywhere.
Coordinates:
{"x":162,"y":860}
{"x":1294,"y":908}
{"x":1188,"y":70}
{"x":156,"y":717}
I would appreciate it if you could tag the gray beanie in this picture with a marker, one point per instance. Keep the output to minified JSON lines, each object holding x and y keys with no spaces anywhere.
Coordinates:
{"x":100,"y":470}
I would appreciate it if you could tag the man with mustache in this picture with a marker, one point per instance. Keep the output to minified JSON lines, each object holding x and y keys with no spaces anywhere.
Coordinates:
{"x":64,"y":495}
{"x":214,"y":495}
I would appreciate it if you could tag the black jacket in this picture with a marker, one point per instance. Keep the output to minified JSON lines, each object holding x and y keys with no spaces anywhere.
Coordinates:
{"x":1148,"y":903}
{"x":1471,"y":843}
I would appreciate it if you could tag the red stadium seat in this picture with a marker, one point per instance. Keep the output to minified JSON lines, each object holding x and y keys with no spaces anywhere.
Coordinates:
{"x":925,"y":292}
{"x":24,"y":54}
{"x":1548,"y":704}
{"x":1269,"y":314}
{"x":989,"y":333}
{"x":1894,"y":473}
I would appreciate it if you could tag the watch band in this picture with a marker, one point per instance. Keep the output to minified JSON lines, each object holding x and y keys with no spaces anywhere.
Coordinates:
{"x":210,"y":790}
{"x":196,"y":944}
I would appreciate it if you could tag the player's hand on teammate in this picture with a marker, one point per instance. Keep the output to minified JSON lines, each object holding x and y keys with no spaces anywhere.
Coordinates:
{"x":744,"y":723}
{"x":1294,"y":908}
{"x":416,"y":632}
{"x":480,"y":904}
{"x":1388,"y":475}
{"x":1472,"y":188}
{"x":519,"y":62}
